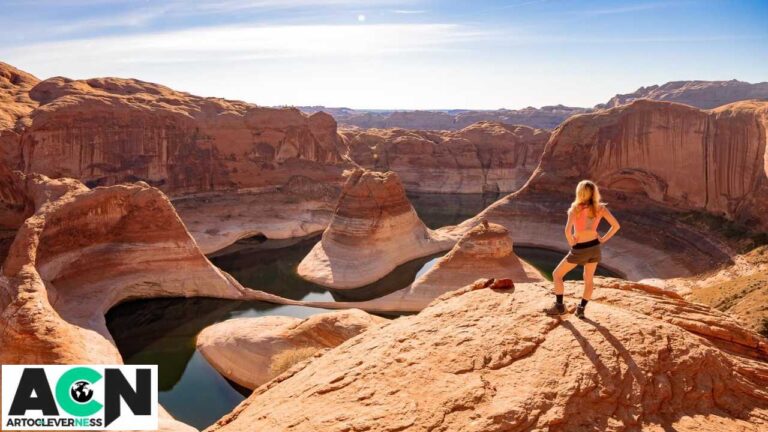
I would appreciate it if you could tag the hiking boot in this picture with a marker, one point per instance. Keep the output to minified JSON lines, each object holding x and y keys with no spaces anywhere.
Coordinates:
{"x":555,"y":309}
{"x":580,"y":312}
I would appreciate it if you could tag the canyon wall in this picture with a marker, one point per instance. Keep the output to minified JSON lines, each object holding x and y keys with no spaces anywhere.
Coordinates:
{"x":663,"y":168}
{"x":483,"y":157}
{"x":682,"y":157}
{"x":109,"y":130}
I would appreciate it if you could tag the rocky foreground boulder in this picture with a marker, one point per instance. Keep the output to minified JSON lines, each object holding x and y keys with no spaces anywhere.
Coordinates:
{"x":485,"y":360}
{"x":373,"y":230}
{"x":482,"y":157}
{"x":252,"y":351}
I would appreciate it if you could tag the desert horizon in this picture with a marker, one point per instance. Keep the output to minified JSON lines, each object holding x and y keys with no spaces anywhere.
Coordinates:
{"x":202,"y":230}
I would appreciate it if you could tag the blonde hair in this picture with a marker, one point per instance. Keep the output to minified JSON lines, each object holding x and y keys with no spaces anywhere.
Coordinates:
{"x":587,"y":193}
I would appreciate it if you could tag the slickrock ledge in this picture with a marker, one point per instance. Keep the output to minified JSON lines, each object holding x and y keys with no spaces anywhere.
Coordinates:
{"x":373,"y":230}
{"x":298,"y":209}
{"x":485,"y":250}
{"x":247,"y":350}
{"x":485,"y":360}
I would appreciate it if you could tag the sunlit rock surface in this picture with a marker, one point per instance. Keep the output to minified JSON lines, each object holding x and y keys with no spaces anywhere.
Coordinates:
{"x":482,"y":360}
{"x":482,"y":157}
{"x":700,"y":94}
{"x":77,"y":252}
{"x":485,"y":250}
{"x":250,"y":351}
{"x":373,"y":230}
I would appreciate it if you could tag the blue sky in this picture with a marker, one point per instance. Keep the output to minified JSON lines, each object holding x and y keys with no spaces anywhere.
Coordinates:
{"x":416,"y":54}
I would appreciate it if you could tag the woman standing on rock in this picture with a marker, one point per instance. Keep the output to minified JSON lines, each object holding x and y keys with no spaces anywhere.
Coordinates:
{"x":584,"y":216}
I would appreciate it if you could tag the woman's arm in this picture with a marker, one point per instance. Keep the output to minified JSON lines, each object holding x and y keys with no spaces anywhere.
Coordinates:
{"x":614,"y":225}
{"x":569,"y":230}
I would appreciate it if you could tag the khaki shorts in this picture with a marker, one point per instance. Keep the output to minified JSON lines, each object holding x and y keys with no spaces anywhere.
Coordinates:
{"x":584,"y":255}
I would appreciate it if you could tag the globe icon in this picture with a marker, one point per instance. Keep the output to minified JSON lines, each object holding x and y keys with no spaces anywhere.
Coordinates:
{"x":81,"y":391}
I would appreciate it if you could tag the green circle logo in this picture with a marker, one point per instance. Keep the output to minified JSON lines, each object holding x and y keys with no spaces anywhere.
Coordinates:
{"x":74,"y":392}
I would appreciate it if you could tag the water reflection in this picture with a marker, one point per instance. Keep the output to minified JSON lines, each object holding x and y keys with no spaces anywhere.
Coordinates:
{"x":545,"y":261}
{"x":439,"y":210}
{"x":163,"y":332}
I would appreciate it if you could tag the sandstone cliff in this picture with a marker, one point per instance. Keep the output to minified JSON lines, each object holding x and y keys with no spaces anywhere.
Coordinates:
{"x":105,"y":131}
{"x":700,"y":94}
{"x":484,"y":360}
{"x":682,"y":157}
{"x":483,"y":157}
{"x":373,"y":230}
{"x":15,"y":105}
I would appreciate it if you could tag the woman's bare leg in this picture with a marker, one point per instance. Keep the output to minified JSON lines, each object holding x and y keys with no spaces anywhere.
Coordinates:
{"x":589,"y":274}
{"x":561,"y":270}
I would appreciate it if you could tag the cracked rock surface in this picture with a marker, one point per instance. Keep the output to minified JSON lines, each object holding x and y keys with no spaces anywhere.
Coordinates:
{"x":486,"y":360}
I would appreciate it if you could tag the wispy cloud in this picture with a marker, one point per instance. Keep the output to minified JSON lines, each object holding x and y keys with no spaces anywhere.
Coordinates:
{"x":237,"y":43}
{"x":409,"y":11}
{"x":137,"y":18}
{"x":640,"y":7}
{"x":227,"y":6}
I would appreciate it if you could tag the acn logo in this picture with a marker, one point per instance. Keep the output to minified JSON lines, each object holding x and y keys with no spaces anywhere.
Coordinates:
{"x":79,"y":397}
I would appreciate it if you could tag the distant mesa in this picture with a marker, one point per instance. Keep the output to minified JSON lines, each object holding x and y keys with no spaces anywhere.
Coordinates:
{"x":699,"y":94}
{"x":547,"y":117}
{"x":373,"y":230}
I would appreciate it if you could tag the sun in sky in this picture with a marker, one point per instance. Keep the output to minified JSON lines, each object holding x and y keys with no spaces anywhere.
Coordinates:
{"x":416,"y":54}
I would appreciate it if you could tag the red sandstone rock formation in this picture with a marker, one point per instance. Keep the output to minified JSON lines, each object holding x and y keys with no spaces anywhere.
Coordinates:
{"x":713,"y":161}
{"x":373,"y":230}
{"x":15,"y":105}
{"x":701,"y":94}
{"x":248,"y":350}
{"x":76,"y":253}
{"x":105,"y":131}
{"x":480,"y":360}
{"x":482,"y":251}
{"x":300,"y":208}
{"x":483,"y":157}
